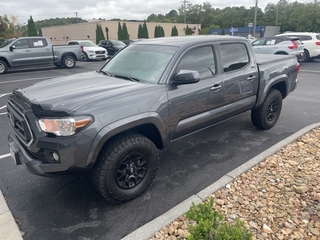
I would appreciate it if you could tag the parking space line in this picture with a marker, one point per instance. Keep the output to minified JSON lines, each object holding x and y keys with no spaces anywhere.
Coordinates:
{"x":3,"y":113}
{"x":4,"y":94}
{"x":3,"y":107}
{"x":5,"y":155}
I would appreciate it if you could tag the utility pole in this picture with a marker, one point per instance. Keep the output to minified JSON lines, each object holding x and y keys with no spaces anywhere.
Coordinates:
{"x":77,"y":16}
{"x":255,"y":19}
{"x":184,"y":11}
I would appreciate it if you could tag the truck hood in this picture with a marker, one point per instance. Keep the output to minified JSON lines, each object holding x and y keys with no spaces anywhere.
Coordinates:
{"x":80,"y":90}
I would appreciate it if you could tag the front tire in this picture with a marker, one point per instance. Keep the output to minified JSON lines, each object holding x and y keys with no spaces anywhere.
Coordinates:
{"x":267,"y":115}
{"x":69,"y":61}
{"x":125,"y":168}
{"x":3,"y":67}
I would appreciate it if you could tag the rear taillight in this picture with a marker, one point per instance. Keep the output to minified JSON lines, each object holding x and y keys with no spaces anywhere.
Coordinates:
{"x":297,"y":67}
{"x":82,"y":48}
{"x":318,"y":43}
{"x":294,"y":46}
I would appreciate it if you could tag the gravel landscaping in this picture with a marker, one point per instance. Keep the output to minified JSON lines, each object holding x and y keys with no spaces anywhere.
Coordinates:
{"x":277,"y":199}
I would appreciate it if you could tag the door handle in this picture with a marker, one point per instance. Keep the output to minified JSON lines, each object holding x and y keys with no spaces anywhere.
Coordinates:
{"x":216,"y":88}
{"x":28,"y":50}
{"x":250,"y":78}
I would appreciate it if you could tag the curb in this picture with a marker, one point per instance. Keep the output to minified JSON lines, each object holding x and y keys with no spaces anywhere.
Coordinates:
{"x":148,"y":230}
{"x":9,"y":229}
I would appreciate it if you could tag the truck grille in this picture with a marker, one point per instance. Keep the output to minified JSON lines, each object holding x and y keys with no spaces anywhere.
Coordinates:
{"x":18,"y":122}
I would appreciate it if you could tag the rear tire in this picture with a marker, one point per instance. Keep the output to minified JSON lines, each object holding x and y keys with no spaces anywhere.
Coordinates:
{"x":3,"y":67}
{"x":305,"y":56}
{"x":85,"y":57}
{"x":267,"y":115}
{"x":125,"y":168}
{"x":69,"y":61}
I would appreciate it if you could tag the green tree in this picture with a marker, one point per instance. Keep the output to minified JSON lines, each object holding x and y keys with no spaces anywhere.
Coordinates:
{"x":32,"y":31}
{"x":188,"y":31}
{"x":125,"y":34}
{"x":156,"y":32}
{"x":162,"y":32}
{"x":145,"y":30}
{"x":3,"y":27}
{"x":174,"y":31}
{"x":99,"y":34}
{"x":222,"y":32}
{"x":140,"y":31}
{"x":120,"y":32}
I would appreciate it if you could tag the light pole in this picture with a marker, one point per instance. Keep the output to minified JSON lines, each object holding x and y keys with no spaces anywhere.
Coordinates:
{"x":277,"y":12}
{"x":255,"y":19}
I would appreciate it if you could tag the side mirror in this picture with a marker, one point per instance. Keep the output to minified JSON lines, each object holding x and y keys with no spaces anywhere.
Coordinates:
{"x":12,"y":47}
{"x":185,"y":77}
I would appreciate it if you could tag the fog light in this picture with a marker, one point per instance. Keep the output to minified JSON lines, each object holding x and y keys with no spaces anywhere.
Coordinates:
{"x":55,"y":156}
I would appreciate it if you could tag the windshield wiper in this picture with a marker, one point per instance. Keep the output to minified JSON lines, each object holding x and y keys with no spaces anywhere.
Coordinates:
{"x":106,"y":73}
{"x":127,"y":77}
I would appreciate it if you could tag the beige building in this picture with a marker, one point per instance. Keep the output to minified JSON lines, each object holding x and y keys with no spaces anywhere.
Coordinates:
{"x":82,"y":31}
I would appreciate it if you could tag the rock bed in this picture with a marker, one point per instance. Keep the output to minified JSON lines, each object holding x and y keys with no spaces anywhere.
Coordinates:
{"x":277,"y":199}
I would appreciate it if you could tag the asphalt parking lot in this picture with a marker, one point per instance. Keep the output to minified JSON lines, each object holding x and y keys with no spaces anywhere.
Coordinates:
{"x":68,"y":207}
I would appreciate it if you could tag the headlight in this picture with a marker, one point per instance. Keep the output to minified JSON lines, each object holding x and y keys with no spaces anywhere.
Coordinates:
{"x":64,"y":126}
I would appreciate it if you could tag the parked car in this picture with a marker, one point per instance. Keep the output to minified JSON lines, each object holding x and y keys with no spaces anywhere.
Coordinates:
{"x":311,"y":42}
{"x":127,"y":42}
{"x":36,"y":51}
{"x":114,"y":121}
{"x":251,"y":38}
{"x":278,"y":45}
{"x":112,"y":46}
{"x":91,"y":50}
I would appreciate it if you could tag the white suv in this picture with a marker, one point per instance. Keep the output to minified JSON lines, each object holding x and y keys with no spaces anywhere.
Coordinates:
{"x":311,"y":42}
{"x":91,"y":50}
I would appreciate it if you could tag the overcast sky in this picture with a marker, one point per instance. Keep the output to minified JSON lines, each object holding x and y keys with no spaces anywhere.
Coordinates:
{"x":123,"y":9}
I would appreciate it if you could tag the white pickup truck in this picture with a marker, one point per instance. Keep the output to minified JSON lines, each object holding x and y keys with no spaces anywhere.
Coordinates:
{"x":35,"y":51}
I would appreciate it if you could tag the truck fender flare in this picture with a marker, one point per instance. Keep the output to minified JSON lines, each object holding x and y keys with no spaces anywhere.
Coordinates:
{"x":124,"y":125}
{"x":279,"y":82}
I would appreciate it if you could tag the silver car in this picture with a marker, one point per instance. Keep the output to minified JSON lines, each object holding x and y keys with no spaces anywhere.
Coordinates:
{"x":278,"y":45}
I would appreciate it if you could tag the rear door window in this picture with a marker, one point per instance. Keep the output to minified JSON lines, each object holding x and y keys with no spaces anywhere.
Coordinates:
{"x":38,"y":42}
{"x":234,"y":56}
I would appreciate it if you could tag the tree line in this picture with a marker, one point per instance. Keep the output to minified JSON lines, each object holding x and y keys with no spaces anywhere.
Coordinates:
{"x":293,"y":16}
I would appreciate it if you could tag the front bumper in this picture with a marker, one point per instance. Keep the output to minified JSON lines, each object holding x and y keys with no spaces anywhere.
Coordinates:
{"x":20,"y":156}
{"x":72,"y":159}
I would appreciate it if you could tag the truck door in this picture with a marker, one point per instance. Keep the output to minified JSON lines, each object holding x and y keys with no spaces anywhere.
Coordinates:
{"x":191,"y":106}
{"x":240,"y":76}
{"x":20,"y":53}
{"x":42,"y":51}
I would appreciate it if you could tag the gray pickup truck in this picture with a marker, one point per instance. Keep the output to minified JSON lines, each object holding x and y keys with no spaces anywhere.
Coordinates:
{"x":34,"y":51}
{"x":114,"y":121}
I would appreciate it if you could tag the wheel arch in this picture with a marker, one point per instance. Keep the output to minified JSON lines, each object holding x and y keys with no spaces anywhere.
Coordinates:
{"x":280,"y":84}
{"x":68,"y":54}
{"x":152,"y":127}
{"x":6,"y":61}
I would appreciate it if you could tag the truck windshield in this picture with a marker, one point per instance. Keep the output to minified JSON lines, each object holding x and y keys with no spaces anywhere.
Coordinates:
{"x":144,"y":62}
